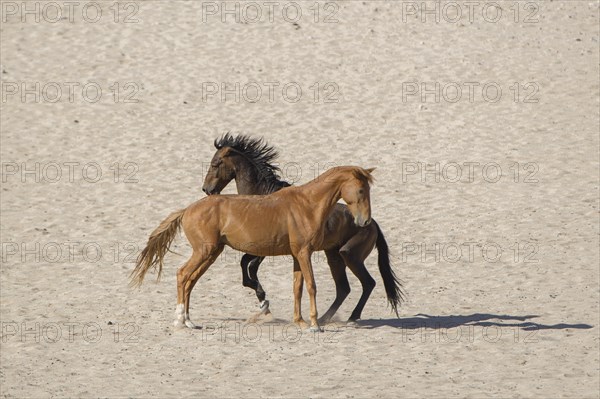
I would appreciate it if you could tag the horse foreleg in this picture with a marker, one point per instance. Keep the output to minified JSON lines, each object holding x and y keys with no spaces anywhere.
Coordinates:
{"x":354,"y":252}
{"x":311,"y":287}
{"x":253,"y":272}
{"x":368,"y":283}
{"x":250,"y":266}
{"x":342,"y":286}
{"x":298,"y":285}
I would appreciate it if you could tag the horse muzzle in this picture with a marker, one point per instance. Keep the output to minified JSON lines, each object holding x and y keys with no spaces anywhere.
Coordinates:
{"x":361,"y":222}
{"x":209,"y":191}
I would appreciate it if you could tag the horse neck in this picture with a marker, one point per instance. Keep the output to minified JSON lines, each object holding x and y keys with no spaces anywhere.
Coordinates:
{"x":247,"y":178}
{"x":325,"y":191}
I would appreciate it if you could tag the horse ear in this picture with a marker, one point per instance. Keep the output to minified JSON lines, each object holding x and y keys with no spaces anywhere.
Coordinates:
{"x":370,"y":170}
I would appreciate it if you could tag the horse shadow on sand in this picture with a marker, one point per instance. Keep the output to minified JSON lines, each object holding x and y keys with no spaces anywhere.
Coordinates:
{"x":477,"y":319}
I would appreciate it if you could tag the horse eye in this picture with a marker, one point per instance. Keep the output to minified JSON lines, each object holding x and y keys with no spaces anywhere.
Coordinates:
{"x":361,"y":191}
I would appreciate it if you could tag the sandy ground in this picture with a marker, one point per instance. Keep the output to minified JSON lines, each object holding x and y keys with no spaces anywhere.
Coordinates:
{"x":501,"y":270}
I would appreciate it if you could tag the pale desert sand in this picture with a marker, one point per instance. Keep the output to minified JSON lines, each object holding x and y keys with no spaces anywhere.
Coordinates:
{"x":476,"y":327}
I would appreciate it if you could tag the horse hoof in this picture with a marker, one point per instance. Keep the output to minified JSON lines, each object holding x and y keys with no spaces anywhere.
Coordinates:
{"x":315,"y":329}
{"x":190,"y":324}
{"x":352,"y":323}
{"x":178,"y":324}
{"x":301,"y":324}
{"x":264,"y":307}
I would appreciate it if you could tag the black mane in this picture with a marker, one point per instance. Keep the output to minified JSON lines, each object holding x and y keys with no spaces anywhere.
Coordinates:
{"x":261,"y":155}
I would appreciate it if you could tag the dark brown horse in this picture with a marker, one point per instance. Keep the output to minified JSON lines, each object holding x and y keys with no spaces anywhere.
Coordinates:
{"x":249,"y":162}
{"x":287,"y":222}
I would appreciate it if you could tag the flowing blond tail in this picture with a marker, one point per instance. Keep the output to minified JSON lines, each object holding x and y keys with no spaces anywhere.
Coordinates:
{"x":156,"y":249}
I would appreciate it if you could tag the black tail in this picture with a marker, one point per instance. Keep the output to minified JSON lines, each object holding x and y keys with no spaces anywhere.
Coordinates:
{"x":393,"y":285}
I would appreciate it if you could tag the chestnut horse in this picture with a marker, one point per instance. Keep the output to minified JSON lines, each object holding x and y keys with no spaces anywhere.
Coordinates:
{"x":287,"y":222}
{"x":250,"y":162}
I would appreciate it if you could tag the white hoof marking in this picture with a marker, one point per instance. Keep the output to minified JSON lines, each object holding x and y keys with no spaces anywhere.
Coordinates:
{"x":178,"y":324}
{"x":264,"y":307}
{"x":179,"y":316}
{"x":190,"y":324}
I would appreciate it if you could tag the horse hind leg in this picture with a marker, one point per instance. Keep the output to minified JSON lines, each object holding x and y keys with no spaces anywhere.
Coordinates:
{"x":189,"y":287}
{"x":342,"y":286}
{"x":183,"y":276}
{"x":187,"y":277}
